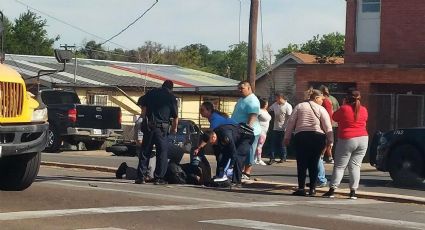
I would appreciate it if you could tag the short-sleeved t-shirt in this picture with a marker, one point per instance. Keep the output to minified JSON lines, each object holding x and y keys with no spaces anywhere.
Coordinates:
{"x":246,"y":106}
{"x":281,"y":115}
{"x":217,"y":120}
{"x":160,"y":104}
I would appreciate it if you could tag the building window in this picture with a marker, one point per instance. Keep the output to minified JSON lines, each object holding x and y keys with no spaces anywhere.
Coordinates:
{"x":368,"y":26}
{"x":372,"y":6}
{"x":96,"y":99}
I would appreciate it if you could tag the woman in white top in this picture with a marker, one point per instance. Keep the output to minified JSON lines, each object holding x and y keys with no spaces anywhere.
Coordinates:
{"x":264,"y":120}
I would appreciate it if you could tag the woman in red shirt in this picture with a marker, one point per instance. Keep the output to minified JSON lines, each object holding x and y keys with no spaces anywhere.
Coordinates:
{"x":352,"y":143}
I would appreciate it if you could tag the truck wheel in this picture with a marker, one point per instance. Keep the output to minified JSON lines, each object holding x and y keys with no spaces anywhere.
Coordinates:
{"x":406,"y":165}
{"x":54,"y":140}
{"x":18,"y":172}
{"x":93,"y":145}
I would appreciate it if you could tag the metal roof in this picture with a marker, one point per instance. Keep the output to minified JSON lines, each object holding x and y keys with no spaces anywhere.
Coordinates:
{"x":112,"y":73}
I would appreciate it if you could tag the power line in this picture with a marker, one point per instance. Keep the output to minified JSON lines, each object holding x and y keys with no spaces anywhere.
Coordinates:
{"x":68,"y":24}
{"x":137,"y":19}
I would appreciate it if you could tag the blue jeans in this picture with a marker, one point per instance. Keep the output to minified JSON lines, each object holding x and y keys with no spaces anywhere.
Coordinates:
{"x":278,"y":148}
{"x":321,"y":177}
{"x":250,"y":159}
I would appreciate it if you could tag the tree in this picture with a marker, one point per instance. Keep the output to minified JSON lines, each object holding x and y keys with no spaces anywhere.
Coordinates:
{"x":193,"y":56}
{"x":287,"y":50}
{"x":28,"y":36}
{"x":237,"y":59}
{"x":93,"y":50}
{"x":328,"y":45}
{"x":151,"y":52}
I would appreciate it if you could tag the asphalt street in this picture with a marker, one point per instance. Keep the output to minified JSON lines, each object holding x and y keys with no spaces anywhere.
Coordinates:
{"x":371,"y":181}
{"x":80,"y":199}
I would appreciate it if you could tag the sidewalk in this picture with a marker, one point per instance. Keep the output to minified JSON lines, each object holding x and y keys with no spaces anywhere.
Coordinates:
{"x":373,"y":184}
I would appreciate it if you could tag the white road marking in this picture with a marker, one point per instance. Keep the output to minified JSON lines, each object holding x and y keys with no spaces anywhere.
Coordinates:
{"x":109,"y":228}
{"x":161,"y":195}
{"x":378,"y":221}
{"x":346,"y":202}
{"x":108,"y":210}
{"x":252,"y":224}
{"x":174,"y":197}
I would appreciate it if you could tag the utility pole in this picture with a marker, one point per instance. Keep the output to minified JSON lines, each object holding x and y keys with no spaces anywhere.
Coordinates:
{"x":66,"y":46}
{"x":252,"y":43}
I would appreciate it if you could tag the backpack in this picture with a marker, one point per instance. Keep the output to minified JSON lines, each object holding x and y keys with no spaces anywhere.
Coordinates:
{"x":175,"y":174}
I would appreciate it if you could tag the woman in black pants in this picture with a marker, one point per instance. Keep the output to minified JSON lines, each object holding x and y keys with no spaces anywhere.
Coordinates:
{"x":311,"y":124}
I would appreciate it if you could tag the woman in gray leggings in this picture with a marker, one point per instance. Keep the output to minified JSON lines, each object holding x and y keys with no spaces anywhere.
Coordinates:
{"x":352,"y":143}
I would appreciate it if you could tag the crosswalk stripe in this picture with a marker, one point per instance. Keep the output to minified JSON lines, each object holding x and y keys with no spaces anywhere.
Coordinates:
{"x":377,"y":221}
{"x":109,"y":210}
{"x":109,"y":228}
{"x":252,"y":224}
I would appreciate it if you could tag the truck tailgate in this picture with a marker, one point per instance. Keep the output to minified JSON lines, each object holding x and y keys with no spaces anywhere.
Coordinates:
{"x":98,"y":117}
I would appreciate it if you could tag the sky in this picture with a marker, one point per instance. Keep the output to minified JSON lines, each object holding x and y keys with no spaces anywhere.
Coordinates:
{"x":177,"y":23}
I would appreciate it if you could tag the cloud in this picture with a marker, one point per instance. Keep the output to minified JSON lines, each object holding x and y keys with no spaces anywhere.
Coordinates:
{"x":214,"y":23}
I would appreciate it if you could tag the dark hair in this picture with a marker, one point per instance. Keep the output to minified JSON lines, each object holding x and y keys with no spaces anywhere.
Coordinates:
{"x":244,"y":82}
{"x":168,"y":84}
{"x":325,"y":90}
{"x":353,"y":99}
{"x":311,"y":94}
{"x":263,"y":103}
{"x":206,"y":135}
{"x":210,"y":107}
{"x":280,"y":94}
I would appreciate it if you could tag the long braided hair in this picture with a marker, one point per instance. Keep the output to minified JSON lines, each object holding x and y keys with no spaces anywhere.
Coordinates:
{"x":353,"y":99}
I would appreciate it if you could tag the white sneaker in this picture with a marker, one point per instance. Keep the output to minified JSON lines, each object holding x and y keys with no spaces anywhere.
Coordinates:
{"x":245,"y":177}
{"x":261,"y":163}
{"x":221,"y":179}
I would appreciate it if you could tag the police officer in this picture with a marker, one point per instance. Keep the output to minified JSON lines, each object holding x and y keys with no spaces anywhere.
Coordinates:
{"x":160,"y":106}
{"x":231,"y":142}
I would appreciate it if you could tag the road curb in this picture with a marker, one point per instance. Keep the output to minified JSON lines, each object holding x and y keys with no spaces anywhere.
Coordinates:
{"x":79,"y":166}
{"x":272,"y":185}
{"x":344,"y":193}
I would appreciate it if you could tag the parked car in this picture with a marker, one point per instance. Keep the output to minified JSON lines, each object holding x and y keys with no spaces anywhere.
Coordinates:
{"x":400,"y":152}
{"x":187,"y":137}
{"x":73,"y":122}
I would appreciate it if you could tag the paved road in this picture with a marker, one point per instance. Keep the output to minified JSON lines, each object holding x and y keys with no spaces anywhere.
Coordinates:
{"x":80,"y":199}
{"x":372,"y":180}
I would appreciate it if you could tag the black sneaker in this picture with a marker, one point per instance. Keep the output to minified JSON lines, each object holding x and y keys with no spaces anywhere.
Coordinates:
{"x":330,"y":193}
{"x":271,"y":161}
{"x":121,"y":170}
{"x":140,"y":181}
{"x":312,"y":192}
{"x":160,"y":182}
{"x":299,"y":192}
{"x":353,"y":195}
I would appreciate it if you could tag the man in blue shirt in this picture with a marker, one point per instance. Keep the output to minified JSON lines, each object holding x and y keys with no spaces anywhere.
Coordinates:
{"x":246,"y":111}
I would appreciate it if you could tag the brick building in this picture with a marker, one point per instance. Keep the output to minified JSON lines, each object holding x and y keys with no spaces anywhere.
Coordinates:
{"x":384,"y":59}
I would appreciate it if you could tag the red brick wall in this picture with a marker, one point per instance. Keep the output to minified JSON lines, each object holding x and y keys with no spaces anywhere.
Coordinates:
{"x":362,"y":75}
{"x":402,"y":33}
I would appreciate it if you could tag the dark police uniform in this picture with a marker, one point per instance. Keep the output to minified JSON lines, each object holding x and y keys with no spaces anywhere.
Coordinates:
{"x":161,"y":106}
{"x":233,"y":142}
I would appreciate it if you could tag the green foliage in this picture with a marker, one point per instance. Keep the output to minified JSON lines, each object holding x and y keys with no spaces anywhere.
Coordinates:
{"x":28,"y":36}
{"x":287,"y":50}
{"x":328,"y":45}
{"x":237,"y":59}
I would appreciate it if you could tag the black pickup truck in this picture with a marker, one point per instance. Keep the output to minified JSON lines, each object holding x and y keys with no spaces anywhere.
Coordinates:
{"x":400,"y":152}
{"x":73,"y":122}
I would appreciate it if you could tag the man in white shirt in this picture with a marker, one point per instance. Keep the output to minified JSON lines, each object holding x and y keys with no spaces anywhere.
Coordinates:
{"x":282,"y":110}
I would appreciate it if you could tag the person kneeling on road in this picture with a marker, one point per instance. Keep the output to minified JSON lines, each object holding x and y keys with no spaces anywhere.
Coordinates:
{"x":231,"y":145}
